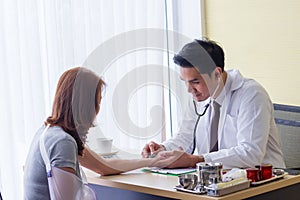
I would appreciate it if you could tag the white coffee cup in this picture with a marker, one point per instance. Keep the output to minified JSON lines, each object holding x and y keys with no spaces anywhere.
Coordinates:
{"x":104,"y":145}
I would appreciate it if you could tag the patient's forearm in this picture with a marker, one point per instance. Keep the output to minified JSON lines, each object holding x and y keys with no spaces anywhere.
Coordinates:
{"x":96,"y":163}
{"x":127,"y":165}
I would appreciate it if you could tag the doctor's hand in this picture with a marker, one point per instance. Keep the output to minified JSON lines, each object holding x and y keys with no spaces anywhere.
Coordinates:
{"x":152,"y":148}
{"x":179,"y":159}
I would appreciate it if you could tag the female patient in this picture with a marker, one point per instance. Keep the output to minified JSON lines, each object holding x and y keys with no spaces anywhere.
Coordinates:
{"x":76,"y":104}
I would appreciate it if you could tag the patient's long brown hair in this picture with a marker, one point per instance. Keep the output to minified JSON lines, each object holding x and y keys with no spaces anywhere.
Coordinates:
{"x":76,"y":103}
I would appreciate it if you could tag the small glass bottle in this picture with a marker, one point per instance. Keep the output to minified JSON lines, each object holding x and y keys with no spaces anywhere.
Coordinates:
{"x":253,"y":174}
{"x":266,"y":171}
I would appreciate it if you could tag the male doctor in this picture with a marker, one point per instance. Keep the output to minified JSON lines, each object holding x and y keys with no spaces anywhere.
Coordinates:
{"x":230,"y":119}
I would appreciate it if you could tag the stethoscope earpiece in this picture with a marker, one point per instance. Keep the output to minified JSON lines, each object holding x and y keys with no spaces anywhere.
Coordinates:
{"x":216,"y":89}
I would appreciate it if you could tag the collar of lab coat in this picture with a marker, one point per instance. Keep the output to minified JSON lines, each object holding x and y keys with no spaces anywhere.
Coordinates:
{"x":233,"y":82}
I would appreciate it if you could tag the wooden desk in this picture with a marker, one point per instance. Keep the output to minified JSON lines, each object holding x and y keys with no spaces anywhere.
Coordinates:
{"x":162,"y":185}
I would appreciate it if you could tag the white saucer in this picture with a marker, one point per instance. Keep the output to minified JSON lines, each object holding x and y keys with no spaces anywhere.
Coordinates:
{"x":275,"y":177}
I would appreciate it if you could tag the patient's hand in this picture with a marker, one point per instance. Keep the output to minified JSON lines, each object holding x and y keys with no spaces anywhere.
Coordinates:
{"x":179,"y":159}
{"x":160,"y":160}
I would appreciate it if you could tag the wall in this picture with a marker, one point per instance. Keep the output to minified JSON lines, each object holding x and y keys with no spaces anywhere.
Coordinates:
{"x":261,"y":38}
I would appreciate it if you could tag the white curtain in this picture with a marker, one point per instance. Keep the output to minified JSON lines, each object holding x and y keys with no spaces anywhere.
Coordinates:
{"x":41,"y":39}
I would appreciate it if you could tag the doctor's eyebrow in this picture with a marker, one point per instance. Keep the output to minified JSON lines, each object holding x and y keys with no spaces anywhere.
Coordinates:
{"x":191,"y":81}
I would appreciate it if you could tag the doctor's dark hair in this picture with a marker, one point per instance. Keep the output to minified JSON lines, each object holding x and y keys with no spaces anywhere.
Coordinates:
{"x":76,"y":103}
{"x":195,"y":54}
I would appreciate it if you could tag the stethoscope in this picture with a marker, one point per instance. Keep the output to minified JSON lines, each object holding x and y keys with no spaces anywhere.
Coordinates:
{"x":212,"y":98}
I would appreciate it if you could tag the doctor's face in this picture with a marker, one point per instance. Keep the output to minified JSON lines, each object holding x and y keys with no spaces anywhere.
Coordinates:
{"x":196,"y":83}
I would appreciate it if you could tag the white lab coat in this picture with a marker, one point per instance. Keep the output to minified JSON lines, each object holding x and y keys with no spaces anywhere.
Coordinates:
{"x":247,"y":134}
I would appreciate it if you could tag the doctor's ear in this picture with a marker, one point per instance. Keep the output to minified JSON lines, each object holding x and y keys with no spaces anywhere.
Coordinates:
{"x":218,"y":72}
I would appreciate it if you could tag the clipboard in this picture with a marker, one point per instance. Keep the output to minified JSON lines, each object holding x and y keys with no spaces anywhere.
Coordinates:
{"x":171,"y":172}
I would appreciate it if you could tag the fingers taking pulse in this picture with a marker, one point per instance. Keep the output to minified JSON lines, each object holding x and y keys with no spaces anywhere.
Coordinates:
{"x":152,"y":155}
{"x":152,"y":149}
